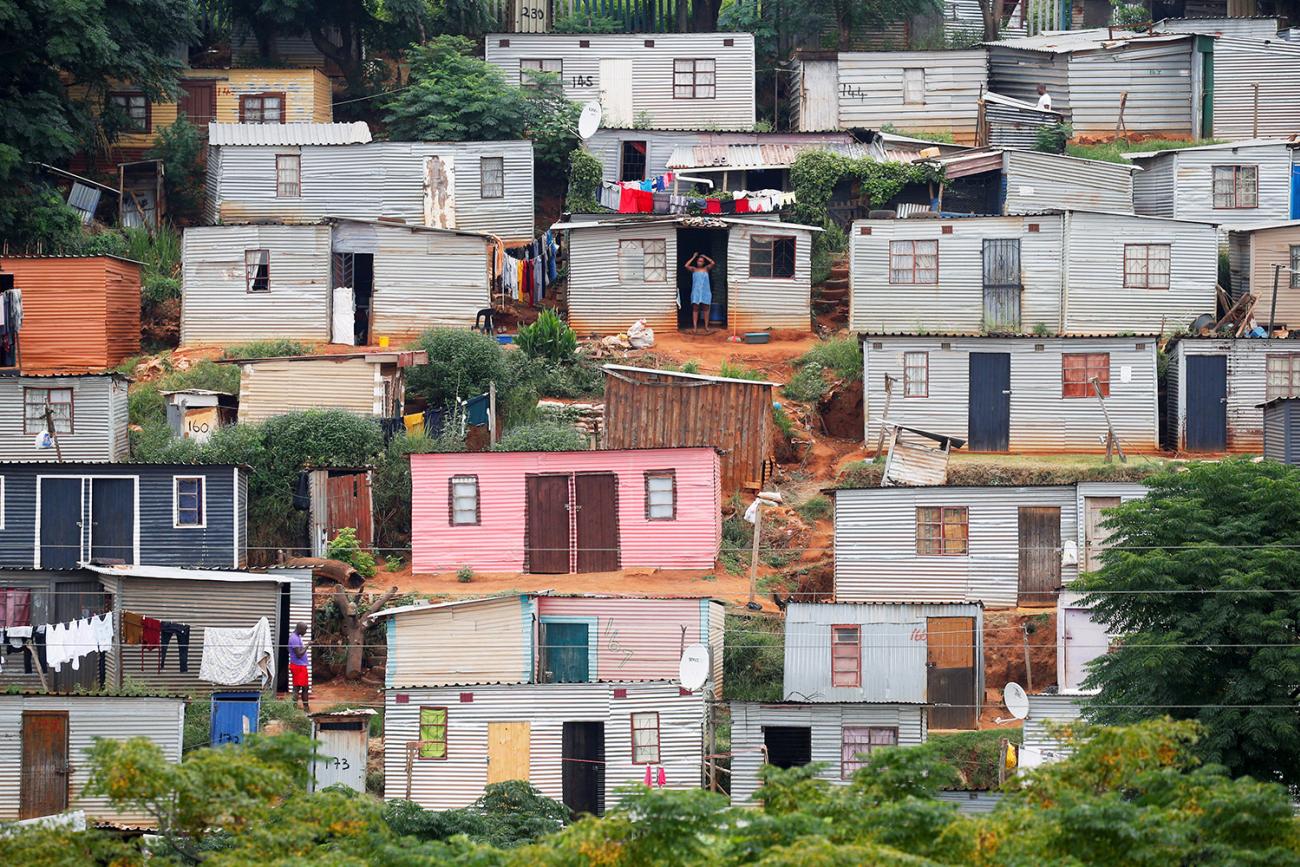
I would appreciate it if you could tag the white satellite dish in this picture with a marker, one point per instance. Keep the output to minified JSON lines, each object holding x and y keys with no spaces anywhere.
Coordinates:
{"x":589,"y":120}
{"x":693,"y":670}
{"x":1017,"y":702}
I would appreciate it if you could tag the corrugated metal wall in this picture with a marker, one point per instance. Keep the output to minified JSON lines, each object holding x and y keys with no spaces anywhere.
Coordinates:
{"x":274,"y":387}
{"x":1256,"y":88}
{"x":498,"y":542}
{"x":1247,"y":386}
{"x":99,"y":408}
{"x":1252,"y":256}
{"x":755,"y":304}
{"x":651,"y":57}
{"x":1157,"y":78}
{"x":1036,"y":181}
{"x":1044,"y":709}
{"x":826,"y":721}
{"x":1251,"y":28}
{"x":1282,"y":432}
{"x":871,"y":91}
{"x":660,"y":411}
{"x":216,"y":306}
{"x":484,"y":642}
{"x":1194,"y":182}
{"x":378,"y":179}
{"x":1153,"y":187}
{"x":1041,"y":420}
{"x":600,"y":301}
{"x":160,"y":720}
{"x":607,"y":146}
{"x":459,"y":779}
{"x":1016,"y":72}
{"x":893,"y":639}
{"x":814,"y":95}
{"x":875,"y":544}
{"x":1011,"y":127}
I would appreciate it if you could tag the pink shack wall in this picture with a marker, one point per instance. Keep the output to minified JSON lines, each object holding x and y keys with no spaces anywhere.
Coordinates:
{"x":497,"y":543}
{"x":638,"y":639}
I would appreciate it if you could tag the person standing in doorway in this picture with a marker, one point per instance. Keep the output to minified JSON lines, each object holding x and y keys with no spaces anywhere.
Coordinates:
{"x":1044,"y":98}
{"x":298,"y":666}
{"x":701,"y":290}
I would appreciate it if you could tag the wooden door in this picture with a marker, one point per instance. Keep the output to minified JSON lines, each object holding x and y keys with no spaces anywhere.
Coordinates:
{"x":1001,"y":284}
{"x":199,"y":101}
{"x":45,"y":769}
{"x":1040,"y":555}
{"x":1085,"y":640}
{"x":112,"y":520}
{"x":509,"y":751}
{"x":988,"y":414}
{"x":1207,"y":403}
{"x":616,"y":90}
{"x":347,"y":498}
{"x":60,"y":523}
{"x":950,"y":671}
{"x":583,"y":774}
{"x":596,"y":499}
{"x":1095,"y":535}
{"x":547,"y":524}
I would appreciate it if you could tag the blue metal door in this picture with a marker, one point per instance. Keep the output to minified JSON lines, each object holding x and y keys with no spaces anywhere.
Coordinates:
{"x":112,"y":520}
{"x":234,"y":715}
{"x":60,"y":523}
{"x":1295,"y":191}
{"x":988,"y":416}
{"x":566,"y":652}
{"x":1207,"y":403}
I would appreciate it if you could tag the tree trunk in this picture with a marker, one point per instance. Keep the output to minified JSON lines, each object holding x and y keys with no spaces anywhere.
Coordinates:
{"x":354,"y":627}
{"x":704,"y":15}
{"x":991,"y":11}
{"x":683,"y":10}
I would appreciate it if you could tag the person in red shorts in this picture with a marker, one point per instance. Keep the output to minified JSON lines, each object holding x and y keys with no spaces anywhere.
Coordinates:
{"x":298,"y":666}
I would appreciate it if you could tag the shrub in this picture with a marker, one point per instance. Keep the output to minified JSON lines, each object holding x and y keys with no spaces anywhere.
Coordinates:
{"x":346,"y":548}
{"x":1052,"y":139}
{"x":578,"y":377}
{"x":807,"y":386}
{"x":157,"y":288}
{"x":266,"y":349}
{"x":549,"y":338}
{"x":464,"y":574}
{"x":783,"y":422}
{"x":737,"y":372}
{"x":585,"y":173}
{"x":461,"y":364}
{"x":814,"y":508}
{"x":754,"y":663}
{"x":579,"y":22}
{"x":541,"y":436}
{"x":842,"y":355}
{"x":181,"y":148}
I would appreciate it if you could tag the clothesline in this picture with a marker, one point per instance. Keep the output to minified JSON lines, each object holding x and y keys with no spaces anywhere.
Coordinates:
{"x":525,"y":272}
{"x":658,"y":196}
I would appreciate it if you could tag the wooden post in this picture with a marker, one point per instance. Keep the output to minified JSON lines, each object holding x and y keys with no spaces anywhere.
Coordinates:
{"x":492,"y":412}
{"x":49,"y":426}
{"x":1111,"y":439}
{"x":1121,"y":131}
{"x":889,"y":393}
{"x":1272,"y":306}
{"x":1029,"y":669}
{"x":752,"y":604}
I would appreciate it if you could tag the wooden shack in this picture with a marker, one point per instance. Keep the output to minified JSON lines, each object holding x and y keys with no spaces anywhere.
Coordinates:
{"x":648,"y":408}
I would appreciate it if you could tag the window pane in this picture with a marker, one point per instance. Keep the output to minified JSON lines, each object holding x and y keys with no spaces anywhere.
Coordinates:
{"x":492,"y":177}
{"x":645,"y":738}
{"x":464,"y":500}
{"x":433,"y":732}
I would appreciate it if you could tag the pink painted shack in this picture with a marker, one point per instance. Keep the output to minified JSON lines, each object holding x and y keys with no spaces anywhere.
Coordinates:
{"x":561,"y":512}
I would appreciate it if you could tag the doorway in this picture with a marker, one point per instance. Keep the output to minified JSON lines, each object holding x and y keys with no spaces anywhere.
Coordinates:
{"x":112,"y":520}
{"x":788,"y":746}
{"x":566,"y":652}
{"x":1039,"y":576}
{"x":583,"y":771}
{"x":1207,"y":403}
{"x":79,"y":600}
{"x":45,"y":770}
{"x":509,"y":751}
{"x":950,"y":671}
{"x":989,"y":402}
{"x":712,"y":243}
{"x":558,"y":517}
{"x":1095,"y":533}
{"x":355,"y":272}
{"x":1001,"y":285}
{"x":199,"y":101}
{"x":60,"y":523}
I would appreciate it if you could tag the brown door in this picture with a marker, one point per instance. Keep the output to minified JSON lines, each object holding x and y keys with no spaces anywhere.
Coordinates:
{"x":1040,"y":555}
{"x":548,"y":524}
{"x":199,"y":100}
{"x":45,"y":770}
{"x":348,"y":500}
{"x":597,"y":501}
{"x":1094,"y":534}
{"x":950,"y":672}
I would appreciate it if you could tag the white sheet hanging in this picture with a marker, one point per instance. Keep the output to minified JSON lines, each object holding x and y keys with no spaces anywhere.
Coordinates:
{"x":235,"y":656}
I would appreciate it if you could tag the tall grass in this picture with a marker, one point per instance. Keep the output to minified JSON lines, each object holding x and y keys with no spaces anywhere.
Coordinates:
{"x":265,"y":349}
{"x":1113,"y":151}
{"x":843,"y":355}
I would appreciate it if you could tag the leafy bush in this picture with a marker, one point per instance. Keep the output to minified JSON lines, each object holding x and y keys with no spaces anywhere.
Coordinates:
{"x":266,"y":349}
{"x":464,"y":574}
{"x":454,"y":96}
{"x":578,"y":377}
{"x":1133,"y":15}
{"x":842,"y":355}
{"x":783,"y":422}
{"x":1052,"y":139}
{"x":461,"y":364}
{"x":156,"y":289}
{"x":345,"y":547}
{"x":145,"y":403}
{"x":585,"y":173}
{"x":924,"y":135}
{"x":549,"y":338}
{"x":808,"y":385}
{"x":181,"y":148}
{"x":754,"y":665}
{"x":391,"y":484}
{"x":732,"y":371}
{"x":815,"y":175}
{"x":814,"y":508}
{"x":541,"y":437}
{"x":507,"y":815}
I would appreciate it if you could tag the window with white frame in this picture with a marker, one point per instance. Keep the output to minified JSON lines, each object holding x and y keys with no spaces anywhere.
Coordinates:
{"x":529,"y":70}
{"x":914,"y":262}
{"x":1146,"y":266}
{"x":916,"y":374}
{"x":257,"y":270}
{"x":693,"y":78}
{"x":261,"y":108}
{"x":1283,"y":375}
{"x":41,"y":406}
{"x":288,"y":176}
{"x":1236,"y":187}
{"x":189,"y":501}
{"x":857,"y":743}
{"x":645,"y":738}
{"x":914,"y":86}
{"x":661,"y":495}
{"x":492,"y":177}
{"x":643,"y":261}
{"x":463,"y":496}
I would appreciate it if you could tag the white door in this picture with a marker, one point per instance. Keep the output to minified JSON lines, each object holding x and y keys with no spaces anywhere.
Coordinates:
{"x":440,"y":192}
{"x":1085,"y":640}
{"x":616,"y":90}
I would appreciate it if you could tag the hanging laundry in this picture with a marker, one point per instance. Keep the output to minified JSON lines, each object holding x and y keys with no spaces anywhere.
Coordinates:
{"x":132,"y":627}
{"x":181,"y":632}
{"x":233,"y":656}
{"x":742,"y":206}
{"x":102,"y":627}
{"x":150,"y":637}
{"x":712,"y":206}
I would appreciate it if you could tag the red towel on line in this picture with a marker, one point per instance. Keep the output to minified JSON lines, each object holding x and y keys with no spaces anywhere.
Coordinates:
{"x":712,"y":206}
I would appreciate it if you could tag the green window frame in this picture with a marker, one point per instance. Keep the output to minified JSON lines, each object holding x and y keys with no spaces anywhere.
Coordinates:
{"x":433,"y":733}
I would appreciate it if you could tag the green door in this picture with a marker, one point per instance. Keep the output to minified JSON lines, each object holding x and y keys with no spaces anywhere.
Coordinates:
{"x":566,"y":652}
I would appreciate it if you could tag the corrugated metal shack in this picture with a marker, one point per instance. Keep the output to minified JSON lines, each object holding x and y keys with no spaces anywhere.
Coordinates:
{"x":1003,"y":181}
{"x":79,"y":312}
{"x":623,"y":269}
{"x":540,"y":512}
{"x":916,"y":91}
{"x":1040,"y":745}
{"x":367,"y":383}
{"x":346,"y":281}
{"x":1237,"y":184}
{"x":1079,"y":640}
{"x":647,"y":408}
{"x":1014,"y":394}
{"x":303,"y":173}
{"x":1214,"y":387}
{"x":1248,"y":26}
{"x":1012,"y":123}
{"x":1072,"y":273}
{"x":1253,"y":253}
{"x":790,"y":734}
{"x":1282,"y":429}
{"x":89,"y":413}
{"x":651,"y":80}
{"x":1086,"y":71}
{"x":44,"y":740}
{"x":58,"y":516}
{"x":1256,"y":90}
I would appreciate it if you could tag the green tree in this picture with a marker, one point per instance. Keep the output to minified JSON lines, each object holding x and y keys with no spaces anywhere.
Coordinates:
{"x":541,"y":436}
{"x":181,"y":149}
{"x":57,"y":60}
{"x":1200,"y":585}
{"x":461,"y":364}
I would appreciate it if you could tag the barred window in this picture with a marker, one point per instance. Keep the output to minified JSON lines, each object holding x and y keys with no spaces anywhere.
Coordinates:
{"x":135,"y":110}
{"x":643,"y":261}
{"x":914,"y":262}
{"x":1236,"y":187}
{"x":433,"y":733}
{"x":35,"y":403}
{"x":187,"y":501}
{"x":529,"y":70}
{"x":257,"y":270}
{"x":463,"y":493}
{"x":942,"y":531}
{"x":771,"y":257}
{"x":1146,"y":266}
{"x":661,"y":495}
{"x":261,"y":108}
{"x":857,"y":743}
{"x":693,"y":78}
{"x":645,"y":738}
{"x":1078,"y":369}
{"x":492,"y":177}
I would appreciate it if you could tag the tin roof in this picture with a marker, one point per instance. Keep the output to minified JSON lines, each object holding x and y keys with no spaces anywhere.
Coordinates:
{"x":729,"y":157}
{"x":990,"y":96}
{"x":397,"y":224}
{"x":286,"y":134}
{"x":680,"y":375}
{"x":1069,"y":41}
{"x":1263,"y":227}
{"x":1292,"y":141}
{"x":703,"y":221}
{"x":1027,"y":338}
{"x":174,"y":573}
{"x":373,"y":356}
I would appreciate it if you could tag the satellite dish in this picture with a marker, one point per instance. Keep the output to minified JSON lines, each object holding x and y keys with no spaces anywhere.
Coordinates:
{"x":1017,"y":702}
{"x":589,"y":120}
{"x":693,"y":670}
